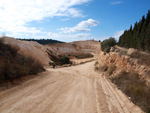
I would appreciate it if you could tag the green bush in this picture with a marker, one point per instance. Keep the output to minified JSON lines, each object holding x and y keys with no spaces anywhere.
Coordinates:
{"x":107,"y":44}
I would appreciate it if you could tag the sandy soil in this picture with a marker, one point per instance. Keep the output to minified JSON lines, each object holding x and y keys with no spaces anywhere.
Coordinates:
{"x":76,"y":89}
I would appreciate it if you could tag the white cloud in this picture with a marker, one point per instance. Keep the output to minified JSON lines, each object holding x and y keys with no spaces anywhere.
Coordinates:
{"x":64,"y":37}
{"x":81,"y":27}
{"x":16,"y":14}
{"x":65,"y":19}
{"x":118,"y":34}
{"x":116,"y":2}
{"x":59,"y":35}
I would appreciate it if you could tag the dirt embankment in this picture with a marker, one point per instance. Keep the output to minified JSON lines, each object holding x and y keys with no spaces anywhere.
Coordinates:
{"x":39,"y":52}
{"x":128,"y":60}
{"x":129,"y":70}
{"x":77,"y":89}
{"x":29,"y":48}
{"x":88,"y":46}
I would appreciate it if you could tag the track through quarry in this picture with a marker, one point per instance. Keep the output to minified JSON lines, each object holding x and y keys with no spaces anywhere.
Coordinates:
{"x":76,"y":89}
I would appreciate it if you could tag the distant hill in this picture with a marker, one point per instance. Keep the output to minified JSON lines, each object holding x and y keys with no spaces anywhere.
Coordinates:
{"x":43,"y":41}
{"x":137,"y":37}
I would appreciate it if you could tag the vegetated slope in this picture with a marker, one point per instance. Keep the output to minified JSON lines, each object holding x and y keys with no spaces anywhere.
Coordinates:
{"x":43,"y":41}
{"x":139,"y":36}
{"x":129,"y":70}
{"x":14,"y":65}
{"x":76,"y":89}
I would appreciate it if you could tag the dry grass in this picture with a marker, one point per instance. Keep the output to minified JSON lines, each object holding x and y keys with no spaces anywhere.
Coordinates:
{"x":105,"y":68}
{"x":80,"y":55}
{"x":102,"y":68}
{"x":111,"y":69}
{"x":58,"y":60}
{"x":134,"y":87}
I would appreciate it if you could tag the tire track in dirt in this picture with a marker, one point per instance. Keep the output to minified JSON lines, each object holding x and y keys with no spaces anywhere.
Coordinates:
{"x":76,"y":89}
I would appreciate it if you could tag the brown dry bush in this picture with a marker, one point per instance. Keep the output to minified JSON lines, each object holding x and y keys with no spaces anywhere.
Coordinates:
{"x":96,"y":63}
{"x":111,"y":69}
{"x":102,"y":68}
{"x":131,"y":84}
{"x":58,"y":60}
{"x":80,"y":55}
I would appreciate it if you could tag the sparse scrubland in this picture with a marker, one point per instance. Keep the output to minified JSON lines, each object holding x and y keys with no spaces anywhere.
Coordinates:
{"x":133,"y":86}
{"x":108,"y":70}
{"x":14,"y":65}
{"x":129,"y":73}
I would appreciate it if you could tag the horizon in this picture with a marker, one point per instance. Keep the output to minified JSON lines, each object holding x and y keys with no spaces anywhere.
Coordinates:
{"x":70,"y":20}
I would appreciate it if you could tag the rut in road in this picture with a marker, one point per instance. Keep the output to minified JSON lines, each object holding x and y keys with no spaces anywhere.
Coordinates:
{"x":76,"y":89}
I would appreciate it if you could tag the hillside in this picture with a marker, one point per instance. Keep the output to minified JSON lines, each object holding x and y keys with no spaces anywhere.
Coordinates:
{"x":129,"y":70}
{"x":15,"y":65}
{"x":29,"y":48}
{"x":88,"y":46}
{"x":39,"y":51}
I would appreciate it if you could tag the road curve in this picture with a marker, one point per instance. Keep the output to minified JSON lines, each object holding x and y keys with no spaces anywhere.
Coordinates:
{"x":76,"y":89}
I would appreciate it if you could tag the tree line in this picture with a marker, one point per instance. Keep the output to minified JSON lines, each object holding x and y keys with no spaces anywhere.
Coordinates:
{"x":137,"y":37}
{"x":43,"y":41}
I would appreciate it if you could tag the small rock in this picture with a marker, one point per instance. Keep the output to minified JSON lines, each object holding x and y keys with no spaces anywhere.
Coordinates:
{"x":129,"y":98}
{"x":133,"y":52}
{"x":112,"y":49}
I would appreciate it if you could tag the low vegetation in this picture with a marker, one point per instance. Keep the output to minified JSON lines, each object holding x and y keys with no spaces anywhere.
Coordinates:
{"x":108,"y":70}
{"x":14,"y":65}
{"x":111,"y":69}
{"x":58,"y":59}
{"x":131,"y":84}
{"x":43,"y":41}
{"x":81,"y":55}
{"x":107,"y":44}
{"x":102,"y":68}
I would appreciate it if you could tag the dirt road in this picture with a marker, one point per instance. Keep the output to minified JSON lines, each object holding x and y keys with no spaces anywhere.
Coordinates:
{"x":75,"y":89}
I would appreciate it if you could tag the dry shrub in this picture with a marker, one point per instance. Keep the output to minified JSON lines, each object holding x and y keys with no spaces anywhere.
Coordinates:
{"x":102,"y":68}
{"x":131,"y":84}
{"x":111,"y":69}
{"x":58,"y":60}
{"x":96,"y":63}
{"x":80,"y":55}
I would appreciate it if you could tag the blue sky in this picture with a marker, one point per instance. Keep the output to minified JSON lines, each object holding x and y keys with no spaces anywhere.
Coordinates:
{"x":69,"y":20}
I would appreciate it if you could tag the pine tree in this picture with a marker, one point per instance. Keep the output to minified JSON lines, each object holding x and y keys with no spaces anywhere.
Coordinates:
{"x":138,"y":36}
